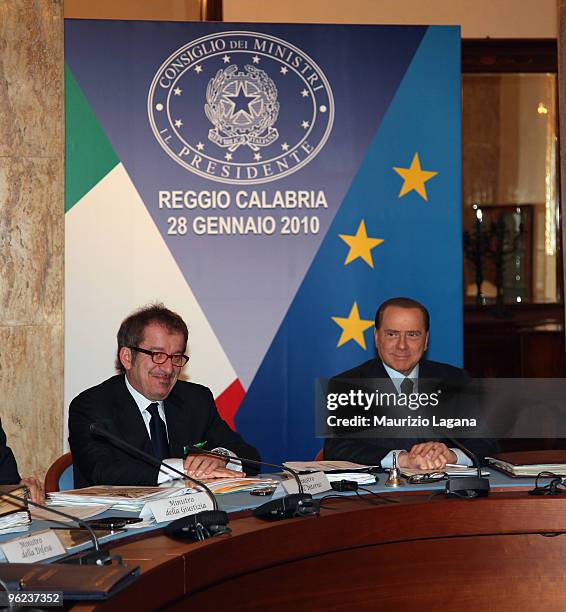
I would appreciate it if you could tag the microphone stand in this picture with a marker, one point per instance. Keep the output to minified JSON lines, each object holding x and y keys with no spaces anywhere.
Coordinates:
{"x":289,"y":506}
{"x":95,"y":557}
{"x":199,"y":526}
{"x":467,"y":487}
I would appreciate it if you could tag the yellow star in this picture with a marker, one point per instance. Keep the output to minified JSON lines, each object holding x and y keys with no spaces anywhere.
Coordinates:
{"x":352,"y":327}
{"x":360,"y":245}
{"x":414,"y":178}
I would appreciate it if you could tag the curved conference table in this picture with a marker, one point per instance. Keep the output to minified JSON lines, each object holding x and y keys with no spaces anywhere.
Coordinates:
{"x":503,"y":552}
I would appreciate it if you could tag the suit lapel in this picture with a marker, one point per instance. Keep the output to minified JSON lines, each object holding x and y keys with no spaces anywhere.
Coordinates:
{"x":127,"y":414}
{"x":178,"y":416}
{"x":378,"y":371}
{"x":427,"y":382}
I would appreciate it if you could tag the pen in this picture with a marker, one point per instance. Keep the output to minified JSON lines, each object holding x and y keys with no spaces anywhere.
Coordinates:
{"x":186,"y":451}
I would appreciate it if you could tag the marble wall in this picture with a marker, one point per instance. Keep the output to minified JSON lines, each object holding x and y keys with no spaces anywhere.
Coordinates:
{"x":31,"y":230}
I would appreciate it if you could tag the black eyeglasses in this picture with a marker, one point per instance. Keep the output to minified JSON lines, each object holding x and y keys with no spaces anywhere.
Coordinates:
{"x":424,"y":478}
{"x":160,"y":358}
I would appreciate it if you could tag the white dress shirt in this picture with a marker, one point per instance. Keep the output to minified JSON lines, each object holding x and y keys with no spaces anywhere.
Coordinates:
{"x":397,"y":378}
{"x":165,"y":474}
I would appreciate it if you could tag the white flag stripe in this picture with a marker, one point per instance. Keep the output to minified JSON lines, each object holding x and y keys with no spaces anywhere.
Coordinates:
{"x":116,"y":261}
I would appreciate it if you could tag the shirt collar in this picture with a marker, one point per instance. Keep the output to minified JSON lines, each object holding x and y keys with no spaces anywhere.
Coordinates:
{"x":397,"y":377}
{"x":140,"y":399}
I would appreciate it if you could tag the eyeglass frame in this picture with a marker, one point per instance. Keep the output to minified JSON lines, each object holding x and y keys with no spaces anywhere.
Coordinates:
{"x":427,"y":478}
{"x":152,"y":354}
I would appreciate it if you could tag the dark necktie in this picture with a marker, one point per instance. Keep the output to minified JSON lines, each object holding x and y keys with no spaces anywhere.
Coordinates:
{"x":158,"y":433}
{"x":407,"y":386}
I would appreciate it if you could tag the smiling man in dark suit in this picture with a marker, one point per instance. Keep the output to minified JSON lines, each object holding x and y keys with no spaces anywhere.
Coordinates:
{"x":401,"y":339}
{"x":147,"y":406}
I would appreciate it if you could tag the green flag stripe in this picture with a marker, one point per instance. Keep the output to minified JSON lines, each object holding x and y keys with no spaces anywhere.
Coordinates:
{"x":89,"y":154}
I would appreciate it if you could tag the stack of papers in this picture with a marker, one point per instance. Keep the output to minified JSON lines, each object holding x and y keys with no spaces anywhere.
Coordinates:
{"x":525,"y":470}
{"x":336,"y":470}
{"x":16,"y":521}
{"x":80,"y":512}
{"x":328,"y":467}
{"x":239,"y":485}
{"x":131,"y":499}
{"x":362,"y":478}
{"x":451,"y":470}
{"x":14,"y":514}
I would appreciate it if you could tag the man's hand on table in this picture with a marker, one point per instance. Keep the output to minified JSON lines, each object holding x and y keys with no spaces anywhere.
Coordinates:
{"x":427,"y":456}
{"x":35,"y":489}
{"x":205,"y":467}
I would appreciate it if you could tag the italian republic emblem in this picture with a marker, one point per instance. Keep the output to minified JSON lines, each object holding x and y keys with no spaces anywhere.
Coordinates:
{"x":240,"y":107}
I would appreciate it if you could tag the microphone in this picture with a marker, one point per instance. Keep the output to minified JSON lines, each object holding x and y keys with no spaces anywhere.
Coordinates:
{"x":289,"y":506}
{"x":95,"y":557}
{"x":467,"y":487}
{"x":199,"y":526}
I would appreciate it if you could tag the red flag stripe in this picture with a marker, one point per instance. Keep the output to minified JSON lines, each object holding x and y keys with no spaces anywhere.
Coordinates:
{"x":228,"y":402}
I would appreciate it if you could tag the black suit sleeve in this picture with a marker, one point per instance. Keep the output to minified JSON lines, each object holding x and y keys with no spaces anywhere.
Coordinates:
{"x":95,"y":460}
{"x":371,"y":452}
{"x":8,"y":467}
{"x":218,"y":434}
{"x":456,"y":397}
{"x":191,"y":416}
{"x":366,"y":452}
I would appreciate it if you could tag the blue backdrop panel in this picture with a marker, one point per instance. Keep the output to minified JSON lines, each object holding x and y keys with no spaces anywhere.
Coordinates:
{"x":365,"y":119}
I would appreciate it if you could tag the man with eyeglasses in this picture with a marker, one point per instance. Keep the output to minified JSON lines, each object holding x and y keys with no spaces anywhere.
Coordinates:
{"x":147,"y":406}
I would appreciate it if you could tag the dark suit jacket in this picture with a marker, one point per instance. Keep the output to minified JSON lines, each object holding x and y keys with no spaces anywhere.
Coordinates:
{"x":191,"y":418}
{"x":433,"y":375}
{"x":8,"y":467}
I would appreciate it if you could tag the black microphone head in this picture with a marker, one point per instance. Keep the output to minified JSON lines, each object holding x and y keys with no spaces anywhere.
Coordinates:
{"x":295,"y":504}
{"x":214,"y":522}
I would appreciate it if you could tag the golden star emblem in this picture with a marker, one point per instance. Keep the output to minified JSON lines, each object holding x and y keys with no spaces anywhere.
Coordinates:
{"x":353,"y":327}
{"x":360,"y":245}
{"x":415,"y":178}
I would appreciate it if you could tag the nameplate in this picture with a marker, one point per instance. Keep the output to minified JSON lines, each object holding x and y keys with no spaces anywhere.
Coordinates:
{"x":315,"y":482}
{"x":33,"y":547}
{"x":176,"y":507}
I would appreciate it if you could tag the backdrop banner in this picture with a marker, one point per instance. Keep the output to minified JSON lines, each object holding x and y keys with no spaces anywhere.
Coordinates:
{"x":272,"y":184}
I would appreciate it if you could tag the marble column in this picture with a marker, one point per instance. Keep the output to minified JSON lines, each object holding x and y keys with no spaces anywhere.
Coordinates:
{"x":31,"y":230}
